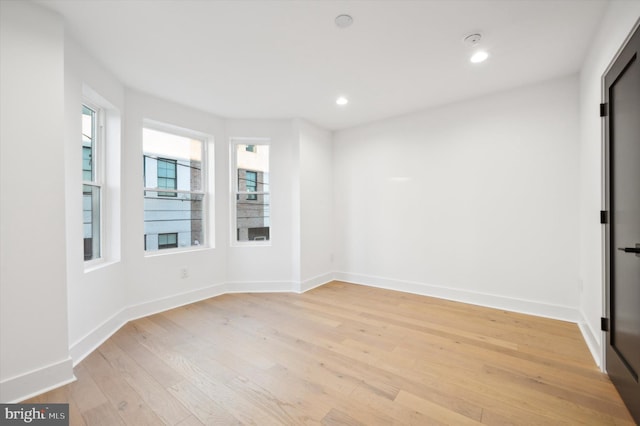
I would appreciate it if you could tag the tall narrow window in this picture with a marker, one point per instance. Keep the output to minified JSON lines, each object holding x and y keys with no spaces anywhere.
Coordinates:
{"x":91,"y":183}
{"x":174,"y":190}
{"x":252,"y":201}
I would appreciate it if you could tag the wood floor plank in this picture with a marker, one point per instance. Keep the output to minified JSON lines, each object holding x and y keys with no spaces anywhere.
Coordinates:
{"x":152,"y":393}
{"x":128,"y":404}
{"x":341,"y":354}
{"x":208,"y":411}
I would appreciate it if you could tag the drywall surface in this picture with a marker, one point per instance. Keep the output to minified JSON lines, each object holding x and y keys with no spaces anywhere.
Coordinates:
{"x":316,"y":204}
{"x":475,"y":201}
{"x":616,"y":26}
{"x":96,"y":291}
{"x":33,"y":293}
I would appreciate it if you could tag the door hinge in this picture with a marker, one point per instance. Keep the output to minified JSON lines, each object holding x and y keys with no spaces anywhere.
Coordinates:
{"x":604,"y":216}
{"x":603,"y":110}
{"x":604,"y":324}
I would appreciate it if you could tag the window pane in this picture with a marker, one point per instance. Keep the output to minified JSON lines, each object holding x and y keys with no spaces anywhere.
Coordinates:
{"x":256,"y":162}
{"x":88,"y":143}
{"x":173,"y":156}
{"x":174,"y":221}
{"x":87,"y":155}
{"x":253,"y":217}
{"x":91,"y":221}
{"x":248,"y":181}
{"x":172,"y":218}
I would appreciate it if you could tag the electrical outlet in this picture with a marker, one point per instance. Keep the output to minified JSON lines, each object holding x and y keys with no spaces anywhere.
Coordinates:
{"x":184,"y":273}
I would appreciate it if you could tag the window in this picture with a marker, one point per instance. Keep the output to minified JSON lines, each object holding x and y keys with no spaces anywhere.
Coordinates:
{"x":174,"y":189}
{"x":251,"y":191}
{"x":91,"y":183}
{"x":167,"y":177}
{"x":251,"y":183}
{"x":167,"y":240}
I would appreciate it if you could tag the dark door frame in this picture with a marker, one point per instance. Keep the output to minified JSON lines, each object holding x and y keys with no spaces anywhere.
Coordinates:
{"x":617,"y":66}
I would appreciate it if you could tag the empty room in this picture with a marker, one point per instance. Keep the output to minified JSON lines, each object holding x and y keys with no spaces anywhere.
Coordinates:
{"x":320,"y":212}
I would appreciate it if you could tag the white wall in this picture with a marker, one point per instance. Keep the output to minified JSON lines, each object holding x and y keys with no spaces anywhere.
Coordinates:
{"x":155,"y":281}
{"x":616,"y":26}
{"x":475,"y":201}
{"x":96,"y":295}
{"x":270,"y":267}
{"x":33,"y":294}
{"x":316,"y":205}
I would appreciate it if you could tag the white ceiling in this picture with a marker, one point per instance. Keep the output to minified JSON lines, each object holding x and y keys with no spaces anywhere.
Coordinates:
{"x":283,"y":59}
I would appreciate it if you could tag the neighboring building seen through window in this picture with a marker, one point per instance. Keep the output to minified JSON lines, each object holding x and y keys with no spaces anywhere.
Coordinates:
{"x":174,"y":190}
{"x":91,"y":183}
{"x":251,"y":183}
{"x":167,"y":240}
{"x":167,"y":176}
{"x":252,"y":212}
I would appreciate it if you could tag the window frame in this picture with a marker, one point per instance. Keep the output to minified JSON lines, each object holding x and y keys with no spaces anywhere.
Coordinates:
{"x":204,"y":191}
{"x":235,"y":192}
{"x":98,"y":174}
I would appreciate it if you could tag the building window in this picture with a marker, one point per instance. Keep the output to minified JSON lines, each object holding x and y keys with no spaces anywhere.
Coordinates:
{"x":251,"y":191}
{"x":251,"y":183}
{"x":167,"y":240}
{"x":174,"y":189}
{"x":167,"y":176}
{"x":91,"y":182}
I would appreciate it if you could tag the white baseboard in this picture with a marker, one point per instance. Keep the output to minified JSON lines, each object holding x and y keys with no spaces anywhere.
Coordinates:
{"x":35,"y":382}
{"x":174,"y":301}
{"x":260,"y":287}
{"x":564,"y":313}
{"x":314,"y":282}
{"x":593,"y":343}
{"x":90,"y":342}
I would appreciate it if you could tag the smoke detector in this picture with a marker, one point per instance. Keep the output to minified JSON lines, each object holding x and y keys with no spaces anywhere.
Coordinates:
{"x":343,"y":21}
{"x":472,"y":40}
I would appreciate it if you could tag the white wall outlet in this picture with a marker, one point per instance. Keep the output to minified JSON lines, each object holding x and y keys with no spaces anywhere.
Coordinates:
{"x":184,"y":273}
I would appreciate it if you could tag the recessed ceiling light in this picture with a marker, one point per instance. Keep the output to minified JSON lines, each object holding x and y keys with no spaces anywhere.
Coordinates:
{"x":342,"y":100}
{"x":343,"y":21}
{"x":479,"y":56}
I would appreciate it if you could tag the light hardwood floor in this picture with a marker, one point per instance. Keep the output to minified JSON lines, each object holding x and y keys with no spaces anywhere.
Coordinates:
{"x":341,"y":354}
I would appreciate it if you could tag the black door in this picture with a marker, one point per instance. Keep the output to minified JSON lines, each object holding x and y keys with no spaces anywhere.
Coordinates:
{"x":622,"y":145}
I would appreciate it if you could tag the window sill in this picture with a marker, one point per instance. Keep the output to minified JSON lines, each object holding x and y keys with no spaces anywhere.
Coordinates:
{"x":251,"y":243}
{"x":176,"y":251}
{"x":94,"y":265}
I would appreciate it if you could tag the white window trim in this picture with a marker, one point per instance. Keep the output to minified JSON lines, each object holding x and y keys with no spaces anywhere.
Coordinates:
{"x":99,"y":176}
{"x":206,"y":192}
{"x":233,"y":191}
